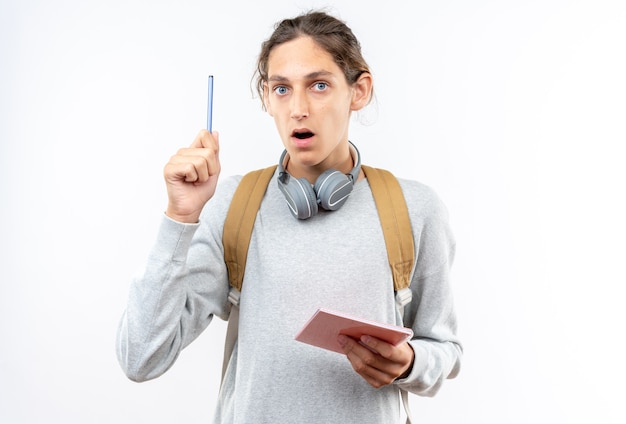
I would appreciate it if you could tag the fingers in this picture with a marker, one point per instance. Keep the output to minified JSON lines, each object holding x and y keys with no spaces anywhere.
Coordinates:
{"x":197,"y":163}
{"x":191,"y":177}
{"x":190,"y":165}
{"x":205,"y":139}
{"x":206,"y":145}
{"x":378,"y":362}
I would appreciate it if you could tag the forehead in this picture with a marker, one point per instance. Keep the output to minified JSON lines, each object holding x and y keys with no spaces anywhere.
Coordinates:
{"x":299,"y":57}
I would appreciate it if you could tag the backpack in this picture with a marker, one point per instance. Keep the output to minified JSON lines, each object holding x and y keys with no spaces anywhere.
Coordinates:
{"x":239,"y":224}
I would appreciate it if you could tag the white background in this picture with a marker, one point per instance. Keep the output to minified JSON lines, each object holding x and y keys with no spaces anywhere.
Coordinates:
{"x":512,"y":110}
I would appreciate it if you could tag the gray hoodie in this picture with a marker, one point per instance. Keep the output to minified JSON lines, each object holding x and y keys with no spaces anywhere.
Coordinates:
{"x":335,"y":260}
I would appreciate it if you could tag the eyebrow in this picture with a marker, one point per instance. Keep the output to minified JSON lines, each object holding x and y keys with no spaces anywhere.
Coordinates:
{"x":310,"y":76}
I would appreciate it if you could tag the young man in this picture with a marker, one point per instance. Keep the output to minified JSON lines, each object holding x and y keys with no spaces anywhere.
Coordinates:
{"x":311,"y":76}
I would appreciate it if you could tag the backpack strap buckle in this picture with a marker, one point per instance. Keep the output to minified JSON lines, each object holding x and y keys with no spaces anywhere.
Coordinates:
{"x":233,"y":296}
{"x":403,"y":298}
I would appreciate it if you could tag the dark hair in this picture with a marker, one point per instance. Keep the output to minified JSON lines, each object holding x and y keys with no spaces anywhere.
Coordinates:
{"x":329,"y":32}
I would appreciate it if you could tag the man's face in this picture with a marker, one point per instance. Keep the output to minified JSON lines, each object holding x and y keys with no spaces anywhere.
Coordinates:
{"x":310,"y":100}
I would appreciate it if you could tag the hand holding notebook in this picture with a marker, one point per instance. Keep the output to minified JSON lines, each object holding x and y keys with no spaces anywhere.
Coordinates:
{"x":325,"y":326}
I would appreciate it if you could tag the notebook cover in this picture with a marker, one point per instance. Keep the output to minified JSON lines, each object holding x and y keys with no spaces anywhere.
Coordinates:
{"x":325,"y":326}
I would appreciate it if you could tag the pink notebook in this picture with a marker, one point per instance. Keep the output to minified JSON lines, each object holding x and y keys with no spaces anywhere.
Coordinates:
{"x":325,"y":326}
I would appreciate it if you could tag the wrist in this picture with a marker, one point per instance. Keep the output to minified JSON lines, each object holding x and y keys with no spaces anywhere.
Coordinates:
{"x":191,"y":218}
{"x":407,"y":372}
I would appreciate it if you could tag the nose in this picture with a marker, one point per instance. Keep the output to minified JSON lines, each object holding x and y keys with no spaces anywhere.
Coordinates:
{"x":299,"y":106}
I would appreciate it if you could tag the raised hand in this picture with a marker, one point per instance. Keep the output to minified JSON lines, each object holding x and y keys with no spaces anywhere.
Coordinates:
{"x":191,"y":177}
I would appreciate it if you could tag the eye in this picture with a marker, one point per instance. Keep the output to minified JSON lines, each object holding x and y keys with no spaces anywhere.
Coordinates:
{"x":320,"y":86}
{"x":281,"y":90}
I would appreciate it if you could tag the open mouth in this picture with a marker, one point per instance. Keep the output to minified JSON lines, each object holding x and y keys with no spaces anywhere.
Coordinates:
{"x":302,"y":135}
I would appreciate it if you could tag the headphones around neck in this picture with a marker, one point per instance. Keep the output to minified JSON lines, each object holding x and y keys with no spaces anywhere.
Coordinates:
{"x":330,"y":191}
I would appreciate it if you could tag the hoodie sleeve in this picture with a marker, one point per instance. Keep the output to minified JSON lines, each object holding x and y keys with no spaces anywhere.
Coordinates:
{"x":182,"y":285}
{"x":431,"y":313}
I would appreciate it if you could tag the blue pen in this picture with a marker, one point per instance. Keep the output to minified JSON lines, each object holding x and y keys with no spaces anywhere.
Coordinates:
{"x":209,"y":110}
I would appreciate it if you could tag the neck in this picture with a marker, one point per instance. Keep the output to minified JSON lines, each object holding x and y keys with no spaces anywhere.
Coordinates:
{"x":343,"y":163}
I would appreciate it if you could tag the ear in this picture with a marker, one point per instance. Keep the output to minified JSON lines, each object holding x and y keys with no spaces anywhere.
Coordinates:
{"x":362,"y":91}
{"x":266,"y":99}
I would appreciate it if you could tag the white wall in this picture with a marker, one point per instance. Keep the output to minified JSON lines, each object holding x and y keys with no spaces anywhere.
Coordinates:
{"x":512,"y":110}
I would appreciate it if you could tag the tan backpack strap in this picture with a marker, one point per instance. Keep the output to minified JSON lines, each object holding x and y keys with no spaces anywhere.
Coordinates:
{"x":394,"y":218}
{"x":240,"y":222}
